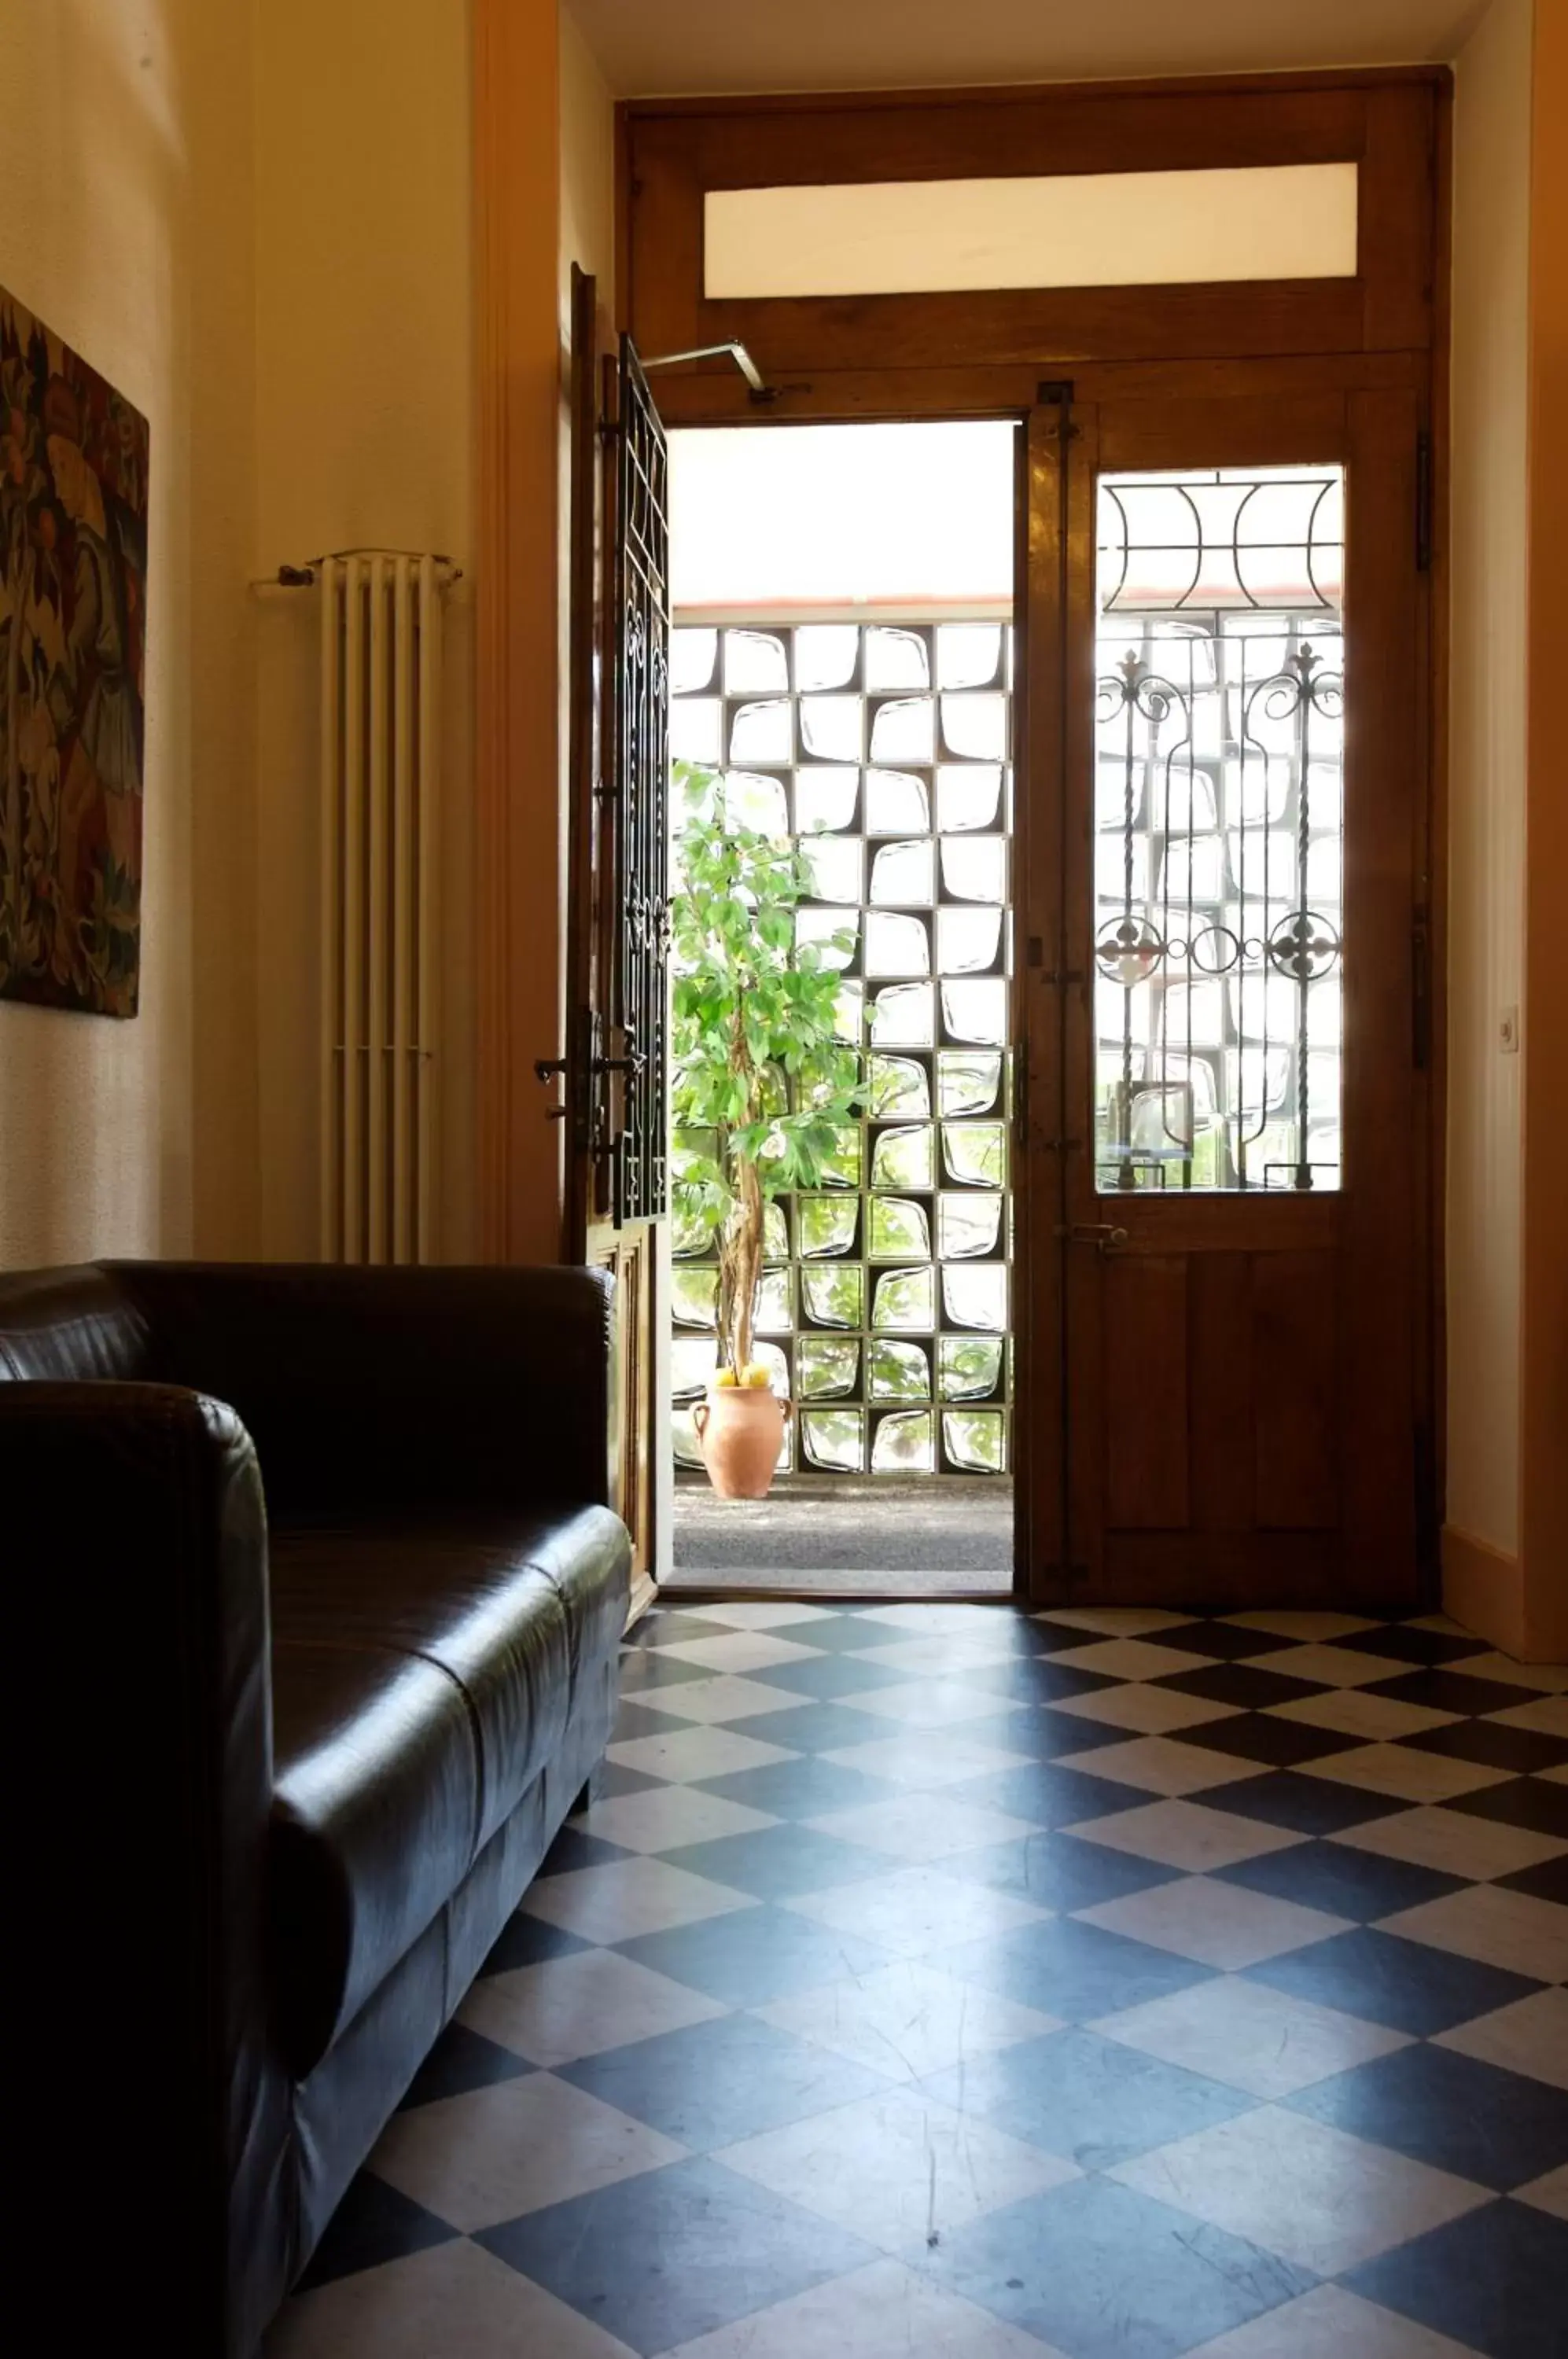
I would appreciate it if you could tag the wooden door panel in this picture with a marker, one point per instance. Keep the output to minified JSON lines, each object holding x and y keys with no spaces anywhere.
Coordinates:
{"x":1240,"y":1367}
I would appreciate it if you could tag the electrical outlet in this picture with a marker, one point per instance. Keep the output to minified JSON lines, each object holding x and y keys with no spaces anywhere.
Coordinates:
{"x":1508,"y":1031}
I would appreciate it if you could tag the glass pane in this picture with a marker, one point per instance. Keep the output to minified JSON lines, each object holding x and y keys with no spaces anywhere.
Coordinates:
{"x":906,"y":1298}
{"x":903,"y":1158}
{"x":897,"y":945}
{"x":901,"y":1230}
{"x":775,"y":1233}
{"x":971,"y":940}
{"x":968,"y":1225}
{"x":834,"y":862}
{"x":976,"y":1011}
{"x":905,"y":1443}
{"x":761,"y":732}
{"x":903,"y":729}
{"x":827,"y":1224}
{"x":683,"y":1438}
{"x":692,"y":1296}
{"x":969,"y":654}
{"x":901,"y":874}
{"x":898,"y":1370}
{"x":902,"y":1017}
{"x":896,"y":658}
{"x":907,"y":237}
{"x":693,"y":661}
{"x":775,"y":1302}
{"x":826,"y":798}
{"x":692,"y":1367}
{"x":755,"y":800}
{"x":831,"y":728}
{"x":974,"y":1153}
{"x":974,"y":728}
{"x":969,"y":1366}
{"x":968,"y":1082}
{"x":754,"y":661}
{"x":827,"y":1366}
{"x":968,"y":796}
{"x":834,"y":1439}
{"x":975,"y":1440}
{"x":975,"y":1294}
{"x":825,"y":655}
{"x":835,"y":1296}
{"x":897,"y":803}
{"x":1219,"y":802}
{"x":832,"y":933}
{"x":900,"y":1088}
{"x":975,"y":868}
{"x":695,"y":730}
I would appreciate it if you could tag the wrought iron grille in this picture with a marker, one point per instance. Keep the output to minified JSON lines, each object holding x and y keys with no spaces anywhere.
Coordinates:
{"x":639,"y":786}
{"x":886,"y":750}
{"x":1219,"y":818}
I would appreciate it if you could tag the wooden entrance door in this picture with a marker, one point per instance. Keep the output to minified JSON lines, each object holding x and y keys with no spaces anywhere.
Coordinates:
{"x":1222,"y":994}
{"x":614,"y":1071}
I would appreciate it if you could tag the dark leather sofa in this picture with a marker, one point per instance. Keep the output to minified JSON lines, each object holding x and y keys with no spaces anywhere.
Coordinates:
{"x":312,"y":1573}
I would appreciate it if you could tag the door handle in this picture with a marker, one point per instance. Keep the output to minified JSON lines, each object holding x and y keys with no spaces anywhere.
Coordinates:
{"x":1102,"y":1234}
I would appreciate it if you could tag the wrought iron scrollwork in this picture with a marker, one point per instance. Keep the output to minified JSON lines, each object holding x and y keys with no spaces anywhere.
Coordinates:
{"x":633,"y":1080}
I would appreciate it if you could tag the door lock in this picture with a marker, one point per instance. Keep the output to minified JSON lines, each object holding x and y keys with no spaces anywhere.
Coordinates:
{"x":1102,"y":1234}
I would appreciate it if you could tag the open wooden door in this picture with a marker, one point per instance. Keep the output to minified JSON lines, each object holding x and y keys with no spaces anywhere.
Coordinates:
{"x":1225,"y":995}
{"x":618,"y":934}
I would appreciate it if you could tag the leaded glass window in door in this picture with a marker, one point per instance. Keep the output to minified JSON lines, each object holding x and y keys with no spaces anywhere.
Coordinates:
{"x":1219,"y":821}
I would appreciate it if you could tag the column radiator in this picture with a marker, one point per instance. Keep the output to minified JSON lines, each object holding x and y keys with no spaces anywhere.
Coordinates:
{"x":380,"y":799}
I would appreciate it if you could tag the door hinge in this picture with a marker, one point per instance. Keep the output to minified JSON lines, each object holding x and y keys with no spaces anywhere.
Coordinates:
{"x":1424,"y":502}
{"x":1421,"y":991}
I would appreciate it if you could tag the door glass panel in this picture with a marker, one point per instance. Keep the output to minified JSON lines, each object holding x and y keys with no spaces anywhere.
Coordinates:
{"x":1219,"y":816}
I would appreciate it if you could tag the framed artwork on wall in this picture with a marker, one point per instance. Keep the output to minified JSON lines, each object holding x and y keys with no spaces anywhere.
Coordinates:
{"x":73,"y":521}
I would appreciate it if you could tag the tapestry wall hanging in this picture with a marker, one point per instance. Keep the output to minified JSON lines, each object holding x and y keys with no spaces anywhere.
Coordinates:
{"x":73,"y":510}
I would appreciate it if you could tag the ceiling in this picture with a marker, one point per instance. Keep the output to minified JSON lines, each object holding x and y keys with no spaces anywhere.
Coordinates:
{"x":661,"y":49}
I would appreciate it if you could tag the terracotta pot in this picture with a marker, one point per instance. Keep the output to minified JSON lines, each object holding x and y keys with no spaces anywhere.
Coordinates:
{"x":740,"y":1429}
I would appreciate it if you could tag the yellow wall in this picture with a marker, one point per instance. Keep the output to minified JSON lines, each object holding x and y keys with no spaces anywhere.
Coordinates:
{"x":1491,"y":337}
{"x":364,"y":437}
{"x":124,"y":203}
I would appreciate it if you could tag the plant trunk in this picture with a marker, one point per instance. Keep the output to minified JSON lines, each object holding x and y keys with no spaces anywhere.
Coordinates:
{"x":740,"y":1268}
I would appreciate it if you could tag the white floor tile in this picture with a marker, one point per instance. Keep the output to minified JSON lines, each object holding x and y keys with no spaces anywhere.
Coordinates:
{"x":932,"y":1703}
{"x":914,"y":1761}
{"x":580,"y":2005}
{"x":1133,"y":1658}
{"x":1452,"y":1842}
{"x":1356,"y":1712}
{"x":1558,"y":1776}
{"x":941,"y":1613}
{"x":1331,"y":2322}
{"x":662,"y":1818}
{"x":916,"y":1909}
{"x":907,"y":2020}
{"x":625,"y":1898}
{"x":885,"y":2312}
{"x":1186,"y":1835}
{"x":1250,"y":2037}
{"x":1409,"y":1775}
{"x":897,"y":2169}
{"x":513,"y":2147}
{"x":921,"y":1826}
{"x":949,"y":1655}
{"x":1530,"y":2036}
{"x":1306,"y":1628}
{"x":688,"y":1754}
{"x":1547,"y":1715}
{"x":757,"y":1612}
{"x":1218,"y":1924}
{"x":738,"y":1650}
{"x":725,"y":1697}
{"x":1161,"y":1765}
{"x":1548,"y":1679}
{"x":1332,"y":1667}
{"x":1548,"y":2194}
{"x":1314,"y":2195}
{"x":456,"y":2299}
{"x":1511,"y":1929}
{"x":1153,"y":1711}
{"x":1115,"y":1621}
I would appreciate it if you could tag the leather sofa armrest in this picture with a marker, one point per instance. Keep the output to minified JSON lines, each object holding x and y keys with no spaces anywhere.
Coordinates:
{"x":385,"y":1390}
{"x":134,"y":1541}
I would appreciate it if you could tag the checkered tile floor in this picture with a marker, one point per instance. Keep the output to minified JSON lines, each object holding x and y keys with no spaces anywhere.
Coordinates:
{"x":932,"y":1980}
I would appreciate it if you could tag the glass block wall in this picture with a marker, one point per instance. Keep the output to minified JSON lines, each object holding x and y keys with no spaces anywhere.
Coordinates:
{"x":886,"y":749}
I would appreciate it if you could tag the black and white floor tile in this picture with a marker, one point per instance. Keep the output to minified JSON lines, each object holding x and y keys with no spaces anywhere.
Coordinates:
{"x":933,"y":1981}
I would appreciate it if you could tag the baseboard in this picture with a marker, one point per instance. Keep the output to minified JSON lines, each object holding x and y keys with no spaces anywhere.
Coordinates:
{"x":644,"y":1591}
{"x":1483,"y":1587}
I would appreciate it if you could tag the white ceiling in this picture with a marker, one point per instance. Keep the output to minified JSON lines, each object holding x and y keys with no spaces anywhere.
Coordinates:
{"x":666,"y":47}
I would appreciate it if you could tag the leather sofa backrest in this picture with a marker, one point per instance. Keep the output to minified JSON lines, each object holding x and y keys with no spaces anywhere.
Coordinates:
{"x":67,"y":1326}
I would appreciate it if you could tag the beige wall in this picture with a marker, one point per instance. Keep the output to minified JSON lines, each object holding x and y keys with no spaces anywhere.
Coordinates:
{"x":364,"y":437}
{"x":1487,"y":770}
{"x":125,"y":198}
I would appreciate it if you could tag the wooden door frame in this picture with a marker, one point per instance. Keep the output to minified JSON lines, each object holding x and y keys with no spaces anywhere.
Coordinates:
{"x":907,"y":357}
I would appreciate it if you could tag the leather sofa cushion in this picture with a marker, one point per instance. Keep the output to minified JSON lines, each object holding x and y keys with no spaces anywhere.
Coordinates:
{"x":421,"y":1677}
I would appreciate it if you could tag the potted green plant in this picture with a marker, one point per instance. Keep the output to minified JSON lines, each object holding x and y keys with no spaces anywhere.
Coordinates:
{"x":763,"y":1081}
